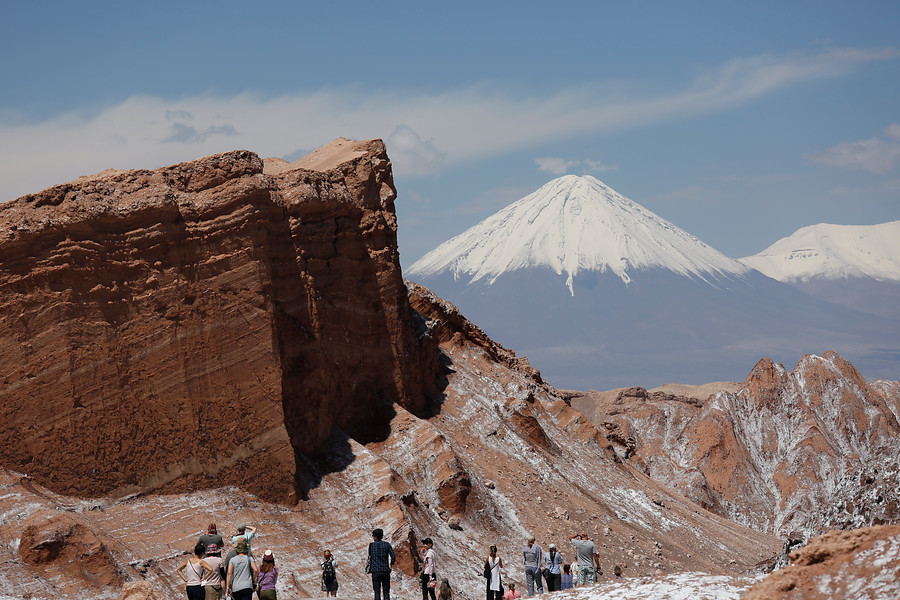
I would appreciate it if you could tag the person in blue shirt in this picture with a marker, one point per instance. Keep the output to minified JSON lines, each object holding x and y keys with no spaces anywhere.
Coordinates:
{"x":380,"y":561}
{"x":246,"y":532}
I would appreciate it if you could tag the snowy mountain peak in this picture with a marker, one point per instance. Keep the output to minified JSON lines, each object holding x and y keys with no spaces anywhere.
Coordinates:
{"x":574,"y":224}
{"x":833,"y":252}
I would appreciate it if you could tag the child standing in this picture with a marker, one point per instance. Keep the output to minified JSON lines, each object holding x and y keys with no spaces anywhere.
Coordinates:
{"x":566,"y":581}
{"x":511,"y":593}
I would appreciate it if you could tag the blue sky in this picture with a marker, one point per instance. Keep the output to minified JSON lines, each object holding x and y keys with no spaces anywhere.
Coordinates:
{"x":739,"y":122}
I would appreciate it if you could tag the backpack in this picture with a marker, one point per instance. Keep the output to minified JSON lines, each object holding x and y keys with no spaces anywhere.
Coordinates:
{"x":327,"y":572}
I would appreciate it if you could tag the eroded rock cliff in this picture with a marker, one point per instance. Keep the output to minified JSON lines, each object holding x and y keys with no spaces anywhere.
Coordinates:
{"x":208,"y":323}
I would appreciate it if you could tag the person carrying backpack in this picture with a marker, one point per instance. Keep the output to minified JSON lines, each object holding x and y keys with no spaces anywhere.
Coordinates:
{"x":329,"y":575}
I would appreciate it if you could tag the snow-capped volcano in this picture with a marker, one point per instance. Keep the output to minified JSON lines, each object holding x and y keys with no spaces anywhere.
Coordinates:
{"x":833,"y":252}
{"x":545,"y":275}
{"x":570,"y":225}
{"x":857,"y":266}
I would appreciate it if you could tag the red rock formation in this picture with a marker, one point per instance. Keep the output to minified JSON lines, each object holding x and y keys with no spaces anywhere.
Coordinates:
{"x":863,"y":563}
{"x":468,"y":475}
{"x":61,"y":547}
{"x":789,"y":452}
{"x":203,"y":324}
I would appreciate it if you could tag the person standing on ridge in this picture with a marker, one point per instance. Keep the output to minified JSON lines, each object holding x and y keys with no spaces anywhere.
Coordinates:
{"x":428,"y":577}
{"x":380,"y":561}
{"x":212,"y":583}
{"x":492,"y":566}
{"x":211,"y":537}
{"x":534,"y":562}
{"x":193,"y":572}
{"x":246,"y":532}
{"x":242,"y":574}
{"x":565,"y":582}
{"x":329,"y":574}
{"x":552,"y":573}
{"x":588,"y":558}
{"x":268,"y":578}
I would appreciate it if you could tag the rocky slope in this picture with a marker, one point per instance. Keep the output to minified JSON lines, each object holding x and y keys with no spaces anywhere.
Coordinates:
{"x":792,"y":453}
{"x":500,"y":456}
{"x":161,"y":328}
{"x":230,"y":341}
{"x":840,"y":564}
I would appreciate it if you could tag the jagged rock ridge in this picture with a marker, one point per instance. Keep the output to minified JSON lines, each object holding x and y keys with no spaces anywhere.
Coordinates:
{"x":792,"y":453}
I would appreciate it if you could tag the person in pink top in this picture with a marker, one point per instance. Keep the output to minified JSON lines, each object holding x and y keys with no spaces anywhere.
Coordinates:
{"x":511,"y":593}
{"x":212,"y":583}
{"x":193,"y":572}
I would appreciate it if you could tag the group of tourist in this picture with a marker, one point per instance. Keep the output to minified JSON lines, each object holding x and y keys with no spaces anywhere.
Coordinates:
{"x":551,"y":567}
{"x":539,"y":566}
{"x":208,"y":576}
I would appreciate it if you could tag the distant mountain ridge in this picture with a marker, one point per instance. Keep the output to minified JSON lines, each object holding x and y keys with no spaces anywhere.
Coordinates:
{"x":573,"y":225}
{"x":599,"y":292}
{"x":833,"y":252}
{"x":857,"y":266}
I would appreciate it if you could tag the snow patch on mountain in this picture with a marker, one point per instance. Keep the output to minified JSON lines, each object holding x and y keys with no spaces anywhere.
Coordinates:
{"x":575,"y":224}
{"x":833,"y":252}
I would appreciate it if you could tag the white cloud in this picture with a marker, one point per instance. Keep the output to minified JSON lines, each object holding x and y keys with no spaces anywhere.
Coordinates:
{"x":893,"y":131}
{"x":555,"y":166}
{"x":414,"y":155}
{"x":424,"y":132}
{"x":560,"y":166}
{"x":875,"y":155}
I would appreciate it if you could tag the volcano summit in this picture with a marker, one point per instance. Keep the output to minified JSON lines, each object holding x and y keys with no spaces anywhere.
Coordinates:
{"x":575,"y":225}
{"x":600,"y":292}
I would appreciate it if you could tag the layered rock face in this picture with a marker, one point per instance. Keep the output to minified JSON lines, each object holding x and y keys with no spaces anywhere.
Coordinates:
{"x":790,"y":453}
{"x":499,"y":456}
{"x":205,"y":324}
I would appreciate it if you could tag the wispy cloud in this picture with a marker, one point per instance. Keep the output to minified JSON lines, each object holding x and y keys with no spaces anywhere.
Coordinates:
{"x":425,"y":132}
{"x":561,"y":166}
{"x":185,"y":134}
{"x":876,"y":155}
{"x":417,"y":156}
{"x":554,"y":165}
